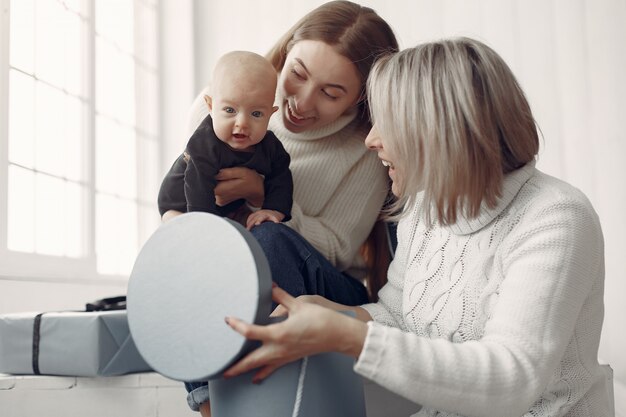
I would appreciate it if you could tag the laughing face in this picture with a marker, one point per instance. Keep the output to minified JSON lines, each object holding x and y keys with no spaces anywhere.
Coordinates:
{"x":317,"y":85}
{"x":375,"y":143}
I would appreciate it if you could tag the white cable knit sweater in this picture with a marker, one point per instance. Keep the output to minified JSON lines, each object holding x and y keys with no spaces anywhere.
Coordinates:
{"x":339,"y":186}
{"x":499,"y":315}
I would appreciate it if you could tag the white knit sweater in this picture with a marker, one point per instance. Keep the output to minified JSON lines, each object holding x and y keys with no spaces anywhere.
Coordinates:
{"x":339,"y":186}
{"x":499,"y":315}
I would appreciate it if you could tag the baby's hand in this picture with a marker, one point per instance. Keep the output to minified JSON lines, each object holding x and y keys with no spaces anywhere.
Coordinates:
{"x":262,"y":215}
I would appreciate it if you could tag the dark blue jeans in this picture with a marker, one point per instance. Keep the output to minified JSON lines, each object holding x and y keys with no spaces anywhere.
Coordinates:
{"x":298,"y":268}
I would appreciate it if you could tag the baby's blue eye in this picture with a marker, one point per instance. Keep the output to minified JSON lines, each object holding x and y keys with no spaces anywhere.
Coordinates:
{"x":229,"y":110}
{"x":257,"y":114}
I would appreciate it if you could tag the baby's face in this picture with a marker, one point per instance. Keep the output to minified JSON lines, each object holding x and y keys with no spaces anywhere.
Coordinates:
{"x":241,"y":110}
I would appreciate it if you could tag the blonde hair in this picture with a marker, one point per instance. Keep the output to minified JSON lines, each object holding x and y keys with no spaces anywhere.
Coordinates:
{"x":354,"y":31}
{"x":455,"y":120}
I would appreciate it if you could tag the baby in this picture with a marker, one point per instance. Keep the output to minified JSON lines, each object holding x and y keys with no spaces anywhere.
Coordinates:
{"x":233,"y":134}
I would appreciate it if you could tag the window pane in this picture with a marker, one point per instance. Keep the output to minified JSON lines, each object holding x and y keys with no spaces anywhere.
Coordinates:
{"x":74,"y":5}
{"x":149,"y":221}
{"x":49,"y":129}
{"x":50,"y":18}
{"x":127,"y":235}
{"x":114,"y":22}
{"x":22,"y":35}
{"x":116,"y":235}
{"x":49,"y":215}
{"x":73,"y":58}
{"x":106,"y":250}
{"x":74,"y":154}
{"x":75,"y":220}
{"x":116,"y":160}
{"x":146,"y":35}
{"x":106,"y":174}
{"x":115,"y":83}
{"x":127,"y":164}
{"x":21,"y":210}
{"x":46,"y":214}
{"x":60,"y":36}
{"x":149,"y":174}
{"x":21,"y":113}
{"x":148,"y":108}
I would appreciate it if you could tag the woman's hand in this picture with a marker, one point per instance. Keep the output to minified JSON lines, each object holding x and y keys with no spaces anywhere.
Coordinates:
{"x":360,"y":313}
{"x":309,"y":329}
{"x":239,"y":182}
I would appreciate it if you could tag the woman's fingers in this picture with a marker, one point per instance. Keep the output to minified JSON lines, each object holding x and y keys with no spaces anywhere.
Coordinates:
{"x":279,"y":311}
{"x":249,"y":331}
{"x":282,"y":297}
{"x":267,"y":355}
{"x":239,"y":368}
{"x":229,"y":174}
{"x":255,"y":359}
{"x":264,"y":373}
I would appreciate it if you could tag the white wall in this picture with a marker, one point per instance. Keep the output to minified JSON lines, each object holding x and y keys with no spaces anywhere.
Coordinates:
{"x":570,"y":58}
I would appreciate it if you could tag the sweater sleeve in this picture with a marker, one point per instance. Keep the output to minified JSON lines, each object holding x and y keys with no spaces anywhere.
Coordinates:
{"x":346,"y":220}
{"x":551,"y":262}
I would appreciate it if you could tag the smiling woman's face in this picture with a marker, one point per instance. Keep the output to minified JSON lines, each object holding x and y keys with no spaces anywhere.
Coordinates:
{"x":375,"y":143}
{"x":316,"y":86}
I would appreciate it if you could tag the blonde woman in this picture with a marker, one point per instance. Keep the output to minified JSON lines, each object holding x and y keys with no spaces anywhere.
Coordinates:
{"x":494,"y":304}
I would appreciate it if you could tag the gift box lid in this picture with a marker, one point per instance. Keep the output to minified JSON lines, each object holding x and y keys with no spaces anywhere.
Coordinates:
{"x":195,"y":270}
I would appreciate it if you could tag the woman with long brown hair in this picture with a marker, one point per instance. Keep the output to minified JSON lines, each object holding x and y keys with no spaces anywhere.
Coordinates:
{"x":322,"y":65}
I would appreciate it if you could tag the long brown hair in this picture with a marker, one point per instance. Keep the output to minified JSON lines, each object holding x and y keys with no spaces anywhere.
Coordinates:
{"x":361,"y":35}
{"x":377,"y":253}
{"x":355,"y":31}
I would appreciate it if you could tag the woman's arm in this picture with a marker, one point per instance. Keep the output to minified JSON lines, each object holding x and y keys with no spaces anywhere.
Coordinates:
{"x":359,"y":312}
{"x":310,"y":328}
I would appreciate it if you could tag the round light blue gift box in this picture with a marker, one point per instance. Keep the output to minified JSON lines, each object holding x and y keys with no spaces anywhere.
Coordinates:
{"x":195,"y":270}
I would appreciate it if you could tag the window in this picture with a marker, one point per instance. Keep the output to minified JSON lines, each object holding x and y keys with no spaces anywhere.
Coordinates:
{"x":80,"y":147}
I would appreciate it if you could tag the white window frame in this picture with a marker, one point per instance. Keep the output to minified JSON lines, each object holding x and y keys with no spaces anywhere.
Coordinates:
{"x":32,"y":266}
